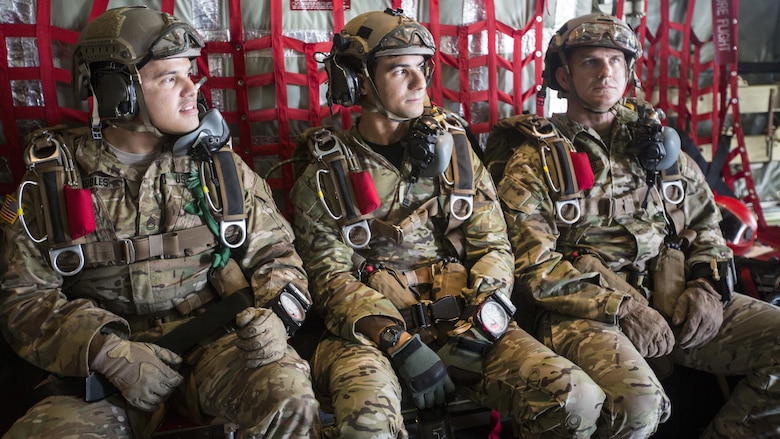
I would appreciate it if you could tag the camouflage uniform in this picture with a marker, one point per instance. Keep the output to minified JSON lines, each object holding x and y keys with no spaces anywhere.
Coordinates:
{"x":577,"y":316}
{"x":544,"y":394}
{"x":50,"y":320}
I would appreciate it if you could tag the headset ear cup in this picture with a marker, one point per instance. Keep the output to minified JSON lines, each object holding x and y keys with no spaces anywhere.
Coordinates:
{"x":343,"y":86}
{"x":116,"y":96}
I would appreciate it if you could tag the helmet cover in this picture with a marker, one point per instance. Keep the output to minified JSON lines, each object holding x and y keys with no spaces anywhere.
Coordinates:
{"x":593,"y":30}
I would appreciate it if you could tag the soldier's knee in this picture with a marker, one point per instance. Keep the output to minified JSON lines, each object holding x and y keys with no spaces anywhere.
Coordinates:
{"x":583,"y":404}
{"x":636,"y":414}
{"x":367,"y":426}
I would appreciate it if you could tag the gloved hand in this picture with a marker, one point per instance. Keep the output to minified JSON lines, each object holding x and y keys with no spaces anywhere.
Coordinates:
{"x":141,"y":371}
{"x":463,"y":357}
{"x":646,"y":328}
{"x":700,"y":308}
{"x":262,"y":336}
{"x":423,"y":372}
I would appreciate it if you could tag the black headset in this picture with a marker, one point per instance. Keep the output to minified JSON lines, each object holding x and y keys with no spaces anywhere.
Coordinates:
{"x":115,"y":91}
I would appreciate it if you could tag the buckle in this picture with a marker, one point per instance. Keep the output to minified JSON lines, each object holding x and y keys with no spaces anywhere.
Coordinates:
{"x":445,"y":309}
{"x":419,"y":314}
{"x":128,"y":251}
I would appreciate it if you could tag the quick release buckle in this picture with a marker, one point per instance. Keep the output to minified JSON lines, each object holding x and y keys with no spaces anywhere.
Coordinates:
{"x":128,"y":250}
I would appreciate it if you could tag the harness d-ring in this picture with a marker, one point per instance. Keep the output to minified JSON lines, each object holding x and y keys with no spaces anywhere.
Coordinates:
{"x":54,"y":254}
{"x":468,"y":199}
{"x":673,"y":184}
{"x":360,"y":225}
{"x":559,"y":205}
{"x":224,"y":226}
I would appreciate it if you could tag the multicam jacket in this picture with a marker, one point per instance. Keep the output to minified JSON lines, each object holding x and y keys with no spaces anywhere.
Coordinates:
{"x":622,"y":233}
{"x":50,"y":319}
{"x":339,"y":295}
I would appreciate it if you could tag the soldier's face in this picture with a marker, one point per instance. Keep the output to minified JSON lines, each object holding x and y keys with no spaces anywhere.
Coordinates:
{"x":598,"y":76}
{"x":401,"y":83}
{"x":170,"y":95}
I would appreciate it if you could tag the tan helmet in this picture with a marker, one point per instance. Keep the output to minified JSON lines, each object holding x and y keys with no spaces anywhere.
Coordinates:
{"x":362,"y":40}
{"x":383,"y":33}
{"x":112,"y":49}
{"x":593,"y":30}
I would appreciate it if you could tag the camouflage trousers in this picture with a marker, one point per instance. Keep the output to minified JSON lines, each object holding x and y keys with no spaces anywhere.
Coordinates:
{"x":544,"y":394}
{"x":271,"y":401}
{"x":748,"y":343}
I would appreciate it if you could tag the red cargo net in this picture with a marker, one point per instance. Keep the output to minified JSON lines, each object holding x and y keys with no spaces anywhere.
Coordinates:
{"x":19,"y":118}
{"x":684,"y":73}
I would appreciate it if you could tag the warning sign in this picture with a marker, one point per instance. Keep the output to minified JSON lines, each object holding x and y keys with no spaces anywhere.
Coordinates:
{"x":315,"y":5}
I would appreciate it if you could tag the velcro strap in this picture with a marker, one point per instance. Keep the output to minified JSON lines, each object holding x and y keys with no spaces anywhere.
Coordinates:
{"x":420,"y":216}
{"x":611,"y":207}
{"x":386,"y":230}
{"x":162,"y":246}
{"x":420,"y":276}
{"x":634,"y":278}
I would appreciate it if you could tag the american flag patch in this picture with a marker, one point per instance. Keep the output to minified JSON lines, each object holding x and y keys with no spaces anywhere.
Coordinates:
{"x":9,"y":212}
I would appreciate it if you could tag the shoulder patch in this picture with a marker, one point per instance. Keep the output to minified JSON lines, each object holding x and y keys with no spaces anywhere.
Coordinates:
{"x":10,"y":210}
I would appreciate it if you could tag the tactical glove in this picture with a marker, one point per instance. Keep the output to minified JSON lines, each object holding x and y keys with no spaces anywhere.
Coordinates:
{"x":701,"y":311}
{"x":646,"y":328}
{"x":463,"y":357}
{"x":423,"y":372}
{"x":262,"y":336}
{"x":141,"y":371}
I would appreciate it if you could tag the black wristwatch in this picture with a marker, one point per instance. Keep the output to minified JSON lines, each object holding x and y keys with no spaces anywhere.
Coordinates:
{"x":389,"y":337}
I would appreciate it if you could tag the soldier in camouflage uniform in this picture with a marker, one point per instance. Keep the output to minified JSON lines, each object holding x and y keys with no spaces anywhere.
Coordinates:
{"x":405,"y":313}
{"x":105,"y":317}
{"x":612,"y":314}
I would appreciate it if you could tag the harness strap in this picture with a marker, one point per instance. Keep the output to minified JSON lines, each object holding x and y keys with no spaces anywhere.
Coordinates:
{"x":142,"y":248}
{"x":425,"y":314}
{"x":626,"y":205}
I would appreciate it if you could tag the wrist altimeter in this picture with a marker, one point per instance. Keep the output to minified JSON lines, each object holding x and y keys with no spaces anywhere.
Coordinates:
{"x":291,"y":306}
{"x":493,"y":316}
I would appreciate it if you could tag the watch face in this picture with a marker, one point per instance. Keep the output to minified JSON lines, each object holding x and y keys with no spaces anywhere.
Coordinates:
{"x":292,"y":307}
{"x":494,"y":318}
{"x":389,"y":337}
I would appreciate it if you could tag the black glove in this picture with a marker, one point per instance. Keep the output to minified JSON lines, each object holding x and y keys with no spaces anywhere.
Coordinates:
{"x":423,"y":372}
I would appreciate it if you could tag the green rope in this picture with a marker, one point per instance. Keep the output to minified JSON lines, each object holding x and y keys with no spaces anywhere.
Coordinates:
{"x":200,"y":207}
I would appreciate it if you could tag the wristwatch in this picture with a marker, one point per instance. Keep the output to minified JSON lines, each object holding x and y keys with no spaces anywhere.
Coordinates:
{"x":389,"y":337}
{"x":291,"y":306}
{"x":494,"y":315}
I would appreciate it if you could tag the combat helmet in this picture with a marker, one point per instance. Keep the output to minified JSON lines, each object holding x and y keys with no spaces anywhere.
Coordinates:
{"x":112,"y":49}
{"x":593,"y":30}
{"x":365,"y":38}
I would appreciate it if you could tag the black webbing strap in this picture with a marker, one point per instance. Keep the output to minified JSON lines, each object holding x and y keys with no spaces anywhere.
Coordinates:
{"x":229,"y":186}
{"x":96,"y":387}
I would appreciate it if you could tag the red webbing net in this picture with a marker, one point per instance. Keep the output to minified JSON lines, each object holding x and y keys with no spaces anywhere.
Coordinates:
{"x":20,"y":118}
{"x":695,"y":80}
{"x":657,"y":69}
